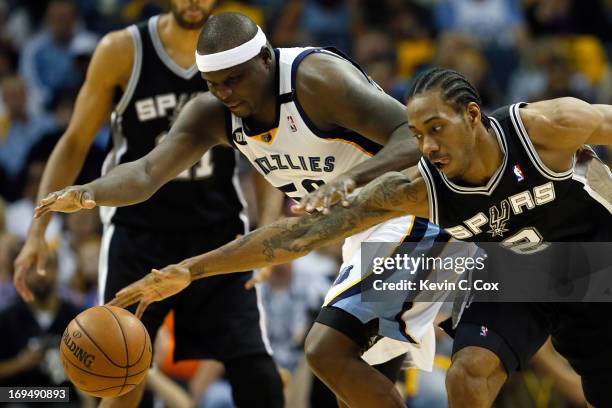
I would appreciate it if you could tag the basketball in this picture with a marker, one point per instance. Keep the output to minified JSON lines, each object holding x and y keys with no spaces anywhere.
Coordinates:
{"x":106,"y":351}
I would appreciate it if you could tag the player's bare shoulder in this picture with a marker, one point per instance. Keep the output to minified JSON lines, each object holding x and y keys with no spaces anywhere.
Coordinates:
{"x":328,"y":88}
{"x":113,"y":58}
{"x":320,"y":72}
{"x":558,"y":127}
{"x":559,"y":123}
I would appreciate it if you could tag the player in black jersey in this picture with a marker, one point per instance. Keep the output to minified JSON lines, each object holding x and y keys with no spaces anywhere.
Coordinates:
{"x":141,"y":77}
{"x":520,"y":176}
{"x":484,"y":178}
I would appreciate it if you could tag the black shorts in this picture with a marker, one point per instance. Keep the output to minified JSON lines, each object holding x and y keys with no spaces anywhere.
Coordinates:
{"x":215,"y":318}
{"x":364,"y":335}
{"x":581,"y":332}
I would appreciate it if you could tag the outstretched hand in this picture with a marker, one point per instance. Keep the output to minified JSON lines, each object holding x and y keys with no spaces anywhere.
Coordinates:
{"x":326,"y":196}
{"x":70,"y":199}
{"x":33,"y":255}
{"x":156,"y":286}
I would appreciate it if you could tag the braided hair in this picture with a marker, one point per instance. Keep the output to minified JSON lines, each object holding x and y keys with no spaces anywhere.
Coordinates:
{"x":454,"y":87}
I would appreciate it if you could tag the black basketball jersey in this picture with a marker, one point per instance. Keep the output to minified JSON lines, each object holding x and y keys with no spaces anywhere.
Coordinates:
{"x":157,"y":89}
{"x":524,"y":202}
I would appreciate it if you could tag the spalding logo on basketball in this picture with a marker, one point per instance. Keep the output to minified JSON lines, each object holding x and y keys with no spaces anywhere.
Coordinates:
{"x":106,"y":351}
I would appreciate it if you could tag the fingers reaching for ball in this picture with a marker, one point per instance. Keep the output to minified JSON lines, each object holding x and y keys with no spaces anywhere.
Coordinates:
{"x":156,"y":286}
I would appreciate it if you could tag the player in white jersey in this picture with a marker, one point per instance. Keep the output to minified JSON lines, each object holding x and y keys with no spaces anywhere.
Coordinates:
{"x":304,"y":118}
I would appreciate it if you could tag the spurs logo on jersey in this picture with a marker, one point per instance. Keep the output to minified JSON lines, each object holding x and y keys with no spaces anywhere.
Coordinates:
{"x":501,"y":214}
{"x":498,"y":217}
{"x":524,"y":204}
{"x":295,"y":156}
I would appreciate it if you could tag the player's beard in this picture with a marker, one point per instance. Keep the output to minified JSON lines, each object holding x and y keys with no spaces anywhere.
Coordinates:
{"x":188,"y":25}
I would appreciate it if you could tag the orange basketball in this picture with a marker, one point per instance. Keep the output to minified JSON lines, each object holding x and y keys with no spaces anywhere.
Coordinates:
{"x":106,"y":351}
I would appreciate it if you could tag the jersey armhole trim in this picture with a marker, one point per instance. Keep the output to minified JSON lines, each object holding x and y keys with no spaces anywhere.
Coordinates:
{"x":228,"y":127}
{"x":431,"y":191}
{"x":530,"y":148}
{"x":136,"y":67}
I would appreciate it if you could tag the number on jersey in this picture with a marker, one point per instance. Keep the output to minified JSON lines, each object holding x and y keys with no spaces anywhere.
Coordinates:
{"x":201,"y":170}
{"x":309,"y":185}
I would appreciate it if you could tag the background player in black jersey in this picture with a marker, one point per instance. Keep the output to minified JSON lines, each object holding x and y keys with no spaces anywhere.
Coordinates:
{"x":471,"y":151}
{"x":143,"y":75}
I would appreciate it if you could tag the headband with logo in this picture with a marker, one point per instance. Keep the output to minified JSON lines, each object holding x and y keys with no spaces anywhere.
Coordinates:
{"x":232,"y":57}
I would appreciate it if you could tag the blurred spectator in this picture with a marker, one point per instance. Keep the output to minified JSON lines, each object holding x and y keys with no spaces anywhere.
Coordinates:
{"x":2,"y":216}
{"x":475,"y":67}
{"x":547,"y":17}
{"x":19,"y":213}
{"x":563,"y":79}
{"x":374,"y":51}
{"x":80,"y":227}
{"x":19,"y":129}
{"x":318,"y":23}
{"x":272,"y":10}
{"x":61,"y":107}
{"x":286,"y":308}
{"x":292,"y":298}
{"x":9,"y":248}
{"x":8,"y":64}
{"x":547,"y":71}
{"x":48,"y":60}
{"x":528,"y":81}
{"x":427,"y":389}
{"x":402,"y":19}
{"x":203,"y":378}
{"x":29,"y":353}
{"x":497,"y":25}
{"x":84,"y":283}
{"x":252,"y":11}
{"x":328,"y":23}
{"x":491,"y":22}
{"x":15,"y":24}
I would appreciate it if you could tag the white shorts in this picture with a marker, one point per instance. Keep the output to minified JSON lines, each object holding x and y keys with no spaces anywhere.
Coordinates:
{"x":406,"y":327}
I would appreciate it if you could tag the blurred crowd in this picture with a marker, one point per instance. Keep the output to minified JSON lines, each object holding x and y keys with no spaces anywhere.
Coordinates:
{"x":511,"y":50}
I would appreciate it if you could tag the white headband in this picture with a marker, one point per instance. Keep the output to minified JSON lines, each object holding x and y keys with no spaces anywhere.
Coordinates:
{"x":232,"y":57}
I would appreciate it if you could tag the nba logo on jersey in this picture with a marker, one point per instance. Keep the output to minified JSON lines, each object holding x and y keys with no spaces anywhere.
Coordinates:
{"x":292,"y":123}
{"x":484,"y":331}
{"x":518,"y":173}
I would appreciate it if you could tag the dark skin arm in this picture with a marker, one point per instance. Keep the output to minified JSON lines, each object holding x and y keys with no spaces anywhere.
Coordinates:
{"x":199,"y":127}
{"x":352,"y":102}
{"x":559,"y":127}
{"x":389,"y":196}
{"x":92,"y":108}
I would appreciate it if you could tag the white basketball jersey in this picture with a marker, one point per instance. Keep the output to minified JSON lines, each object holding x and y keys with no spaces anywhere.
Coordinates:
{"x":295,"y":156}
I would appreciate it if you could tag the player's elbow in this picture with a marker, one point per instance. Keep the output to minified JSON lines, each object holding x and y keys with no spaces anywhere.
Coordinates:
{"x":145,"y":182}
{"x":383,"y":192}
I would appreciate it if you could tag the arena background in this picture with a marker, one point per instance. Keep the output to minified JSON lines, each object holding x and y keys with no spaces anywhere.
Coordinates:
{"x":511,"y":50}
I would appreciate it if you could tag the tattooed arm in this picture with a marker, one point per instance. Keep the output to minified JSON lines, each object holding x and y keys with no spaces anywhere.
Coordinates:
{"x":386,"y":197}
{"x":389,"y":196}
